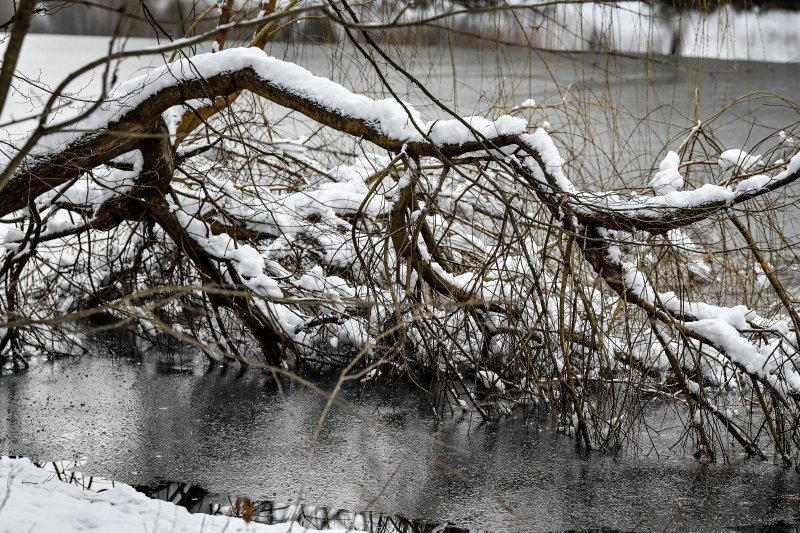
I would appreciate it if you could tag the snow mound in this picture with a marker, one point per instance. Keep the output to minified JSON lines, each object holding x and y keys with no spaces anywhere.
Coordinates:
{"x":34,"y":501}
{"x":668,"y":179}
{"x":739,"y":160}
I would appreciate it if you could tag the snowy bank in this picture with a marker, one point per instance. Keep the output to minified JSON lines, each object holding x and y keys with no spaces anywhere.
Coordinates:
{"x":34,"y":501}
{"x":631,"y":27}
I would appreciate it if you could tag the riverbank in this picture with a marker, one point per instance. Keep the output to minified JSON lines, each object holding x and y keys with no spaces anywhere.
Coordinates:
{"x":640,"y":28}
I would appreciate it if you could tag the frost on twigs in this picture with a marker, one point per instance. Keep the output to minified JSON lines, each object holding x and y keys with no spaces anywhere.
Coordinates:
{"x":466,"y":247}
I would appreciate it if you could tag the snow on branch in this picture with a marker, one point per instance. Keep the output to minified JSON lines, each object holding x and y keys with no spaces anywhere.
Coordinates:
{"x":722,"y":327}
{"x":132,"y":108}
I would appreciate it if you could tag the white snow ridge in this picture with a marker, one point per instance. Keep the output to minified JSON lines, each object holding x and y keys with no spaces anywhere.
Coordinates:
{"x":667,"y":179}
{"x":32,"y":500}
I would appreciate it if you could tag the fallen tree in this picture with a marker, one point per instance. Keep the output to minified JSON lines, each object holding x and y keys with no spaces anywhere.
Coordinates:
{"x":456,"y":247}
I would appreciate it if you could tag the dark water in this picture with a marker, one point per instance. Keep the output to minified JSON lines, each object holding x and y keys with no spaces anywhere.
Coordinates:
{"x":145,"y":423}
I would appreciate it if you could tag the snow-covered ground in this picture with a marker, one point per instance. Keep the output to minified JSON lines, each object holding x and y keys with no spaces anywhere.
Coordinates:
{"x":33,"y":500}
